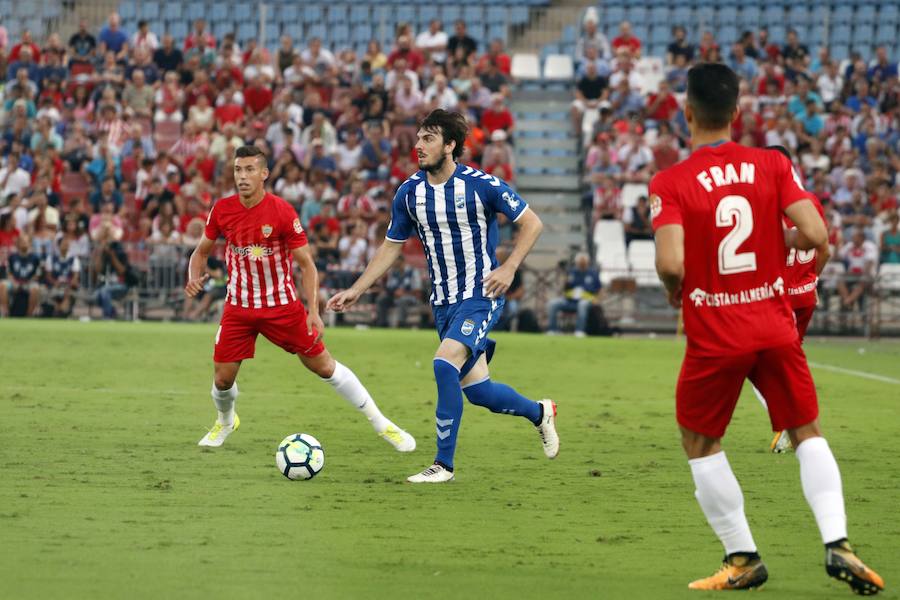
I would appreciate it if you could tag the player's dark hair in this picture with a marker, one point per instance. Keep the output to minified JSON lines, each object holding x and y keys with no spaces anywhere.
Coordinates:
{"x":712,"y":93}
{"x":452,"y":127}
{"x":248,"y":151}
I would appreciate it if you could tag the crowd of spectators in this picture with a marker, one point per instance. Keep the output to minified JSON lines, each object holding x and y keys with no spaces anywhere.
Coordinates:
{"x":115,"y":145}
{"x":840,"y":121}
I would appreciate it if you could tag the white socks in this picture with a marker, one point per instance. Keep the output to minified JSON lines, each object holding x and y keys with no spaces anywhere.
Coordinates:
{"x":224,"y":400}
{"x":347,"y":385}
{"x":760,"y":397}
{"x":722,"y":501}
{"x":821,"y":481}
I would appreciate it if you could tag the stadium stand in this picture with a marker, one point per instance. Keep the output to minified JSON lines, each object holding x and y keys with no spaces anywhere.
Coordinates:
{"x":588,"y":103}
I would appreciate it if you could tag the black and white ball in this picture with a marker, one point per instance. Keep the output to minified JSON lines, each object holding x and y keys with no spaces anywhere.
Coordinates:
{"x":300,"y":456}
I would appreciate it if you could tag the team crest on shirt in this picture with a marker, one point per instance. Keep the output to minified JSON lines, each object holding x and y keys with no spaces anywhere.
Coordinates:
{"x":509,"y":199}
{"x":297,"y":226}
{"x":655,"y":206}
{"x":267,"y":230}
{"x":468,"y":327}
{"x":459,"y":198}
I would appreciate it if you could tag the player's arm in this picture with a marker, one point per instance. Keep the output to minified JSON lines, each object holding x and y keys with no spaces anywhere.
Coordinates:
{"x":810,"y":229}
{"x":499,"y":280}
{"x":670,"y":260}
{"x":197,"y":274}
{"x":309,"y":284}
{"x":823,"y":255}
{"x":384,"y":257}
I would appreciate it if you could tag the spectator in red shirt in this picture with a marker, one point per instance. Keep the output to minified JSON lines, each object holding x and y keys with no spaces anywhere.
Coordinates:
{"x":404,"y":49}
{"x":708,"y":46}
{"x":662,"y":105}
{"x":497,"y":116}
{"x":627,"y":39}
{"x":496,"y":54}
{"x":326,"y":217}
{"x":25,"y":43}
{"x":357,"y":203}
{"x":257,"y":98}
{"x":498,"y":157}
{"x":199,"y":38}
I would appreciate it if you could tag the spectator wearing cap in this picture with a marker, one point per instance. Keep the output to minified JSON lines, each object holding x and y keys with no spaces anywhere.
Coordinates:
{"x":498,"y":157}
{"x":679,"y":46}
{"x":627,"y":39}
{"x":592,"y":37}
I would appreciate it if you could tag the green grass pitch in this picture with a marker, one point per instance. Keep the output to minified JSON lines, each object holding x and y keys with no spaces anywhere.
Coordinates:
{"x":104,"y":493}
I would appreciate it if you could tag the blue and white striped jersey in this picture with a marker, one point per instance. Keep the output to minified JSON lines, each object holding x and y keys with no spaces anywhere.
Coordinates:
{"x":457,"y":224}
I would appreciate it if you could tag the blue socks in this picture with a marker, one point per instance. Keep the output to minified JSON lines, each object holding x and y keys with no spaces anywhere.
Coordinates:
{"x":449,"y":410}
{"x":500,"y":398}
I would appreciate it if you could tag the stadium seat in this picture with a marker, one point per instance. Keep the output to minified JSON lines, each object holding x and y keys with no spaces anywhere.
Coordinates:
{"x":178,"y":30}
{"x":312,"y":13}
{"x":865,"y":15}
{"x":525,"y":66}
{"x":839,"y":51}
{"x":889,"y":277}
{"x":748,"y":18}
{"x":798,"y":14}
{"x":777,"y":33}
{"x":842,"y":14}
{"x":337,"y":13}
{"x":196,"y":10}
{"x":246,"y":31}
{"x":149,"y":10}
{"x":659,"y":15}
{"x":613,"y":15}
{"x":631,"y":192}
{"x":518,"y":15}
{"x":611,"y":257}
{"x":636,"y":14}
{"x":886,"y":34}
{"x":172,"y":11}
{"x":559,"y":67}
{"x":889,"y":14}
{"x":727,"y":15}
{"x":642,"y":262}
{"x":127,"y":10}
{"x":450,"y":14}
{"x":660,"y":35}
{"x":840,"y":35}
{"x":243,"y":13}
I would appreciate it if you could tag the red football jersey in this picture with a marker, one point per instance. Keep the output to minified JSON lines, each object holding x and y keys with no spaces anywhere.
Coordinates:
{"x":258,"y":252}
{"x":800,"y":272}
{"x":730,"y":199}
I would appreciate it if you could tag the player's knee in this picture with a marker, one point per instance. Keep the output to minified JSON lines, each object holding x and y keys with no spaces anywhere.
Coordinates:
{"x":800,"y":434}
{"x":697,"y":445}
{"x":223,"y":381}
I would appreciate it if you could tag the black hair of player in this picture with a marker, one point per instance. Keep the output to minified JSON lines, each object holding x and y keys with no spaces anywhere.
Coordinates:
{"x":452,"y":127}
{"x":248,"y":151}
{"x":712,"y":93}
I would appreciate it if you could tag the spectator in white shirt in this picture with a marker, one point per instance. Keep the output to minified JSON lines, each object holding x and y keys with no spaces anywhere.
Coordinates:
{"x":440,"y":95}
{"x":13,"y":178}
{"x":433,"y":42}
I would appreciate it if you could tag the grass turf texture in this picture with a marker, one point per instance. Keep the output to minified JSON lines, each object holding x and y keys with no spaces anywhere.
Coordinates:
{"x":105,"y":494}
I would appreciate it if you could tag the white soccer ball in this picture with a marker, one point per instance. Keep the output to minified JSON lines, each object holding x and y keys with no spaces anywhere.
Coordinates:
{"x":300,"y":456}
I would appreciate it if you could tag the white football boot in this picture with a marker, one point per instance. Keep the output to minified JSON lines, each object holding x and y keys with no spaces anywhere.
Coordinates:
{"x":218,"y":433}
{"x":399,"y":439}
{"x":434,"y":474}
{"x":781,"y":443}
{"x":547,"y":429}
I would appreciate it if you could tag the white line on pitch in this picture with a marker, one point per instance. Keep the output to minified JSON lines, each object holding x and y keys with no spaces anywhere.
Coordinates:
{"x":862,"y":374}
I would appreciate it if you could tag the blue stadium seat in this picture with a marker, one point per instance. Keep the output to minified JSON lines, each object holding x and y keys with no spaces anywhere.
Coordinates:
{"x":683,"y":15}
{"x":196,"y":10}
{"x":777,"y":33}
{"x":340,"y":34}
{"x":816,"y":34}
{"x":640,"y":29}
{"x":497,"y":31}
{"x":243,"y":12}
{"x":246,"y":31}
{"x":220,"y":28}
{"x":337,"y":13}
{"x":864,"y":15}
{"x":178,"y":30}
{"x":359,"y":14}
{"x":726,"y":36}
{"x":839,"y":51}
{"x":312,"y":13}
{"x":219,"y":13}
{"x":771,"y":17}
{"x":636,"y":13}
{"x":273,"y":32}
{"x":749,"y":17}
{"x":659,"y":15}
{"x":518,"y":15}
{"x":127,"y":9}
{"x":863,"y":36}
{"x":149,"y":10}
{"x":886,"y":34}
{"x":428,"y":13}
{"x":660,"y":34}
{"x":840,"y":35}
{"x":798,"y":14}
{"x":405,"y":14}
{"x":842,"y":14}
{"x":318,"y":30}
{"x":569,"y":34}
{"x":171,"y":11}
{"x":613,"y":15}
{"x":727,"y":15}
{"x":657,"y":50}
{"x":802,"y":33}
{"x":496,"y":14}
{"x":156,"y":26}
{"x":288,"y":13}
{"x":889,"y":13}
{"x":360,"y":33}
{"x":452,"y":13}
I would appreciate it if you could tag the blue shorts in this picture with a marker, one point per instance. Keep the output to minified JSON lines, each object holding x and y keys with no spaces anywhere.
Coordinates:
{"x":469,"y":322}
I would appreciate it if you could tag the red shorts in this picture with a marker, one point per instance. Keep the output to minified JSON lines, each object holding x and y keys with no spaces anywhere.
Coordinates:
{"x":803,"y":315}
{"x":709,"y":386}
{"x":284,"y":326}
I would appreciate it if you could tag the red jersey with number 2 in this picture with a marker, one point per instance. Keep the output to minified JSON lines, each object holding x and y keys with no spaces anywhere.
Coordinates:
{"x":730,"y":199}
{"x":258,"y":250}
{"x":800,"y":271}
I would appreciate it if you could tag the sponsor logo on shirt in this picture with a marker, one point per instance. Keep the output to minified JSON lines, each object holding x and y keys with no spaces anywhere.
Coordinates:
{"x":253,"y":252}
{"x":655,"y":206}
{"x":266,"y":230}
{"x":510,"y":200}
{"x":764,"y":292}
{"x":468,"y":327}
{"x":459,"y":199}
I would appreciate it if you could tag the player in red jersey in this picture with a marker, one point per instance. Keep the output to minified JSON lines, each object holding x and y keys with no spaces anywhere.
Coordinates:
{"x":801,"y":277}
{"x":721,"y":252}
{"x":264,"y":238}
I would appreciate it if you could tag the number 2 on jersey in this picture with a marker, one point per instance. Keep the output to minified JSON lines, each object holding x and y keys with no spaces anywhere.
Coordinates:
{"x":735,"y":212}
